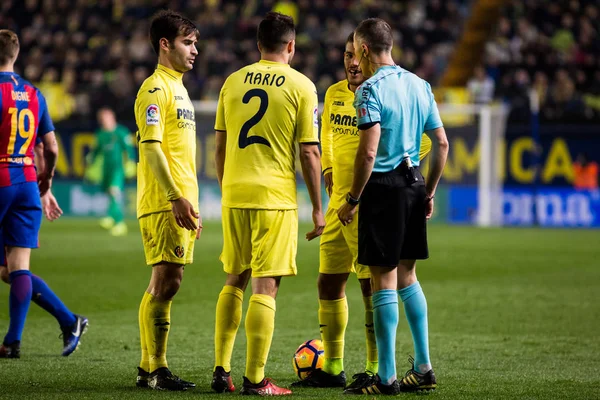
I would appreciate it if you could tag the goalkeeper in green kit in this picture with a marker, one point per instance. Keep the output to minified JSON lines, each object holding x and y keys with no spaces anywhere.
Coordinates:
{"x":111,"y":161}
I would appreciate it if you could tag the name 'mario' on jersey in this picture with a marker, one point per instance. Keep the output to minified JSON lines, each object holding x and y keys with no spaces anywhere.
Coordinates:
{"x":265,"y":108}
{"x":23,"y":117}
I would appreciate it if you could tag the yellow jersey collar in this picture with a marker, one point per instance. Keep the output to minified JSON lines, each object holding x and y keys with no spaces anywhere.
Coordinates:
{"x":347,"y":87}
{"x":273,"y":63}
{"x":178,"y":76}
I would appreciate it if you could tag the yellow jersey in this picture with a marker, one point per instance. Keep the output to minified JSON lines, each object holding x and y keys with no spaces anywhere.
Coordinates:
{"x":265,"y":108}
{"x":164,"y":113}
{"x":339,"y":140}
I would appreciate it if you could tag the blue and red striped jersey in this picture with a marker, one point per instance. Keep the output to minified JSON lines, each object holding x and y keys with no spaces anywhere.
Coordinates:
{"x":23,"y":118}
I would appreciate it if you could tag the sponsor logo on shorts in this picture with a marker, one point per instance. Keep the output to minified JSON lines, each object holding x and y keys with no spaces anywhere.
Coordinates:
{"x":179,"y":251}
{"x":152,"y":113}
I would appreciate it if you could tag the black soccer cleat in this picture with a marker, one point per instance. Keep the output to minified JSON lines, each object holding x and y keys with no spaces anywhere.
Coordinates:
{"x":362,"y":379}
{"x":163,"y":379}
{"x":414,"y":381}
{"x":221,"y":381}
{"x":142,"y":378}
{"x":71,"y":335}
{"x":12,"y":350}
{"x":187,"y":384}
{"x":375,"y":387}
{"x":321,"y":379}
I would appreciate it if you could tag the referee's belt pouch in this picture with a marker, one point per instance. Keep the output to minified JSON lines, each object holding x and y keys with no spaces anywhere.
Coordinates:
{"x":401,"y":176}
{"x":411,"y":174}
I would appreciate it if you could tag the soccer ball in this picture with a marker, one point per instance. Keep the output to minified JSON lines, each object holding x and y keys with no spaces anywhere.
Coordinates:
{"x":308,"y":357}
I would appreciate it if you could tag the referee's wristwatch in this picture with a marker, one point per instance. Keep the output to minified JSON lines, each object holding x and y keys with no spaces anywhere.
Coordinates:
{"x":351,"y":200}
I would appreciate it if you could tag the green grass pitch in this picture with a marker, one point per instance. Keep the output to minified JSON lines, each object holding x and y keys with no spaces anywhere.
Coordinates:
{"x":514,"y":314}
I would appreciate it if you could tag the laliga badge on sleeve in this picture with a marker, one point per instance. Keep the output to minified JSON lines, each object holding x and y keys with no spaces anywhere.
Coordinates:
{"x":152,"y":114}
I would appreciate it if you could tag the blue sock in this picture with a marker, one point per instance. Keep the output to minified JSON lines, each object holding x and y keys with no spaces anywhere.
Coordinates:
{"x":18,"y":302}
{"x":415,"y":307}
{"x":385,"y":318}
{"x":44,"y":297}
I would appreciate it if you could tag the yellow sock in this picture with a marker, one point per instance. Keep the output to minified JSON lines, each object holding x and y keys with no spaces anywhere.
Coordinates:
{"x":260,"y":324}
{"x":333,"y":319}
{"x":229,"y":316}
{"x":145,"y":362}
{"x":372,"y":358}
{"x":158,"y":323}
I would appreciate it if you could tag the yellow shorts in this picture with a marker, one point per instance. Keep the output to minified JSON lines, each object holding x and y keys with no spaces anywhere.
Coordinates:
{"x":339,"y":247}
{"x":166,"y":241}
{"x":264,"y":240}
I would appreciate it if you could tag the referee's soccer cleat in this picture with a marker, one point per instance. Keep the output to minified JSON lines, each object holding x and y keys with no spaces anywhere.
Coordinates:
{"x":321,"y":379}
{"x":71,"y":335}
{"x":264,"y":388}
{"x":12,"y":350}
{"x":221,"y":381}
{"x":142,"y":378}
{"x":414,"y":381}
{"x":375,"y":386}
{"x":163,"y":379}
{"x":362,"y":379}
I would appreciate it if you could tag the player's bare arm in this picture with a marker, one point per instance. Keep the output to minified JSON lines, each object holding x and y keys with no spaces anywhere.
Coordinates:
{"x":220,"y":145}
{"x":310,"y":159}
{"x":183,"y":210}
{"x":50,"y":207}
{"x":363,"y":166}
{"x":50,"y":155}
{"x":327,"y":148}
{"x":439,"y":154}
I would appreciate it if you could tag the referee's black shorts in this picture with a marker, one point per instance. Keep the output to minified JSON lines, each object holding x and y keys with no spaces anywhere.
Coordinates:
{"x":391,"y":222}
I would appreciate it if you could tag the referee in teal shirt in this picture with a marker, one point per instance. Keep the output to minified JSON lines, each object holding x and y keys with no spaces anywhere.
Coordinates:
{"x":394,"y":107}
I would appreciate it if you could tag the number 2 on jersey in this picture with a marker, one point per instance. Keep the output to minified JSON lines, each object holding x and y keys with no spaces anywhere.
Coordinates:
{"x":244,"y":140}
{"x":17,"y":125}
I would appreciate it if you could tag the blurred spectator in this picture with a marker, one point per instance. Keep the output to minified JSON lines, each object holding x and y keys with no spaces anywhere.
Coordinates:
{"x":555,"y":43}
{"x":481,"y":87}
{"x":586,"y":173}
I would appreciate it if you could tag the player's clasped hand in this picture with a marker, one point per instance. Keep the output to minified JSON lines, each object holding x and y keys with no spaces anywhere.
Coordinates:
{"x":319,"y":221}
{"x":346,"y":213}
{"x":184,"y":214}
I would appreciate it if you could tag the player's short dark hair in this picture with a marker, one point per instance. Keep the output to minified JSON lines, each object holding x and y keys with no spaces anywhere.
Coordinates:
{"x":377,"y":35}
{"x":275,"y":31}
{"x":9,"y":46}
{"x":350,"y":38}
{"x":169,"y":24}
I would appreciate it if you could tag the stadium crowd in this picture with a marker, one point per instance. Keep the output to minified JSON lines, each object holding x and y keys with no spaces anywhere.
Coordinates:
{"x":88,"y":53}
{"x":554,"y":48}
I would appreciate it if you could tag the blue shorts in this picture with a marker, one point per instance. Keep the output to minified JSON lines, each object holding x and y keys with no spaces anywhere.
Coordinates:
{"x":20,"y":215}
